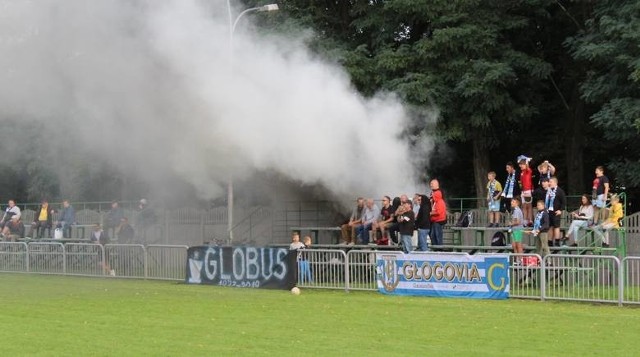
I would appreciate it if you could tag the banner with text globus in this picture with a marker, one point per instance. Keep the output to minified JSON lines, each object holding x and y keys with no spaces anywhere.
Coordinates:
{"x":443,"y":275}
{"x":244,"y":267}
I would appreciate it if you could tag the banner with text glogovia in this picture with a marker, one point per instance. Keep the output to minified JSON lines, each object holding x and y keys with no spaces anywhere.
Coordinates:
{"x":244,"y":267}
{"x":443,"y":275}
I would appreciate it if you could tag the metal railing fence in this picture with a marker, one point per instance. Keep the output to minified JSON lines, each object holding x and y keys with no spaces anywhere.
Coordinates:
{"x":592,"y":278}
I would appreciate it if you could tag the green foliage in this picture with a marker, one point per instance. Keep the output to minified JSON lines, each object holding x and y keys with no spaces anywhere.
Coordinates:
{"x":610,"y":46}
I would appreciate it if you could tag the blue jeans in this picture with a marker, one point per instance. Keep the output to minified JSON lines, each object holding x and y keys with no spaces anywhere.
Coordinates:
{"x":406,"y":242}
{"x":363,"y":232}
{"x":422,"y":240}
{"x":436,"y":233}
{"x":304,"y":271}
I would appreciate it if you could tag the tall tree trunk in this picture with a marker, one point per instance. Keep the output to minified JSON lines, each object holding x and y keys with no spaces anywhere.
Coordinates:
{"x":480,"y":167}
{"x":574,"y":146}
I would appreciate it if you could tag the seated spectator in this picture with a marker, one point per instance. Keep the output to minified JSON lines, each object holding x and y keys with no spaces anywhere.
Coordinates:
{"x":67,"y":218}
{"x":14,"y":229}
{"x":98,"y":235}
{"x":370,"y":213}
{"x":348,"y":230}
{"x":582,"y":218}
{"x":12,"y":210}
{"x":125,"y":232}
{"x":385,"y":220}
{"x":42,"y":220}
{"x":613,"y":221}
{"x":392,"y":228}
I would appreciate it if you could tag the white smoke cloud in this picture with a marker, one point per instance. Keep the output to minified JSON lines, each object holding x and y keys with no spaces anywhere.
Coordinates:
{"x":150,"y":86}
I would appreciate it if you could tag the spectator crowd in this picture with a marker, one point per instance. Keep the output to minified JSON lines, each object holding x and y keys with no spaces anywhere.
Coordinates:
{"x":526,"y":202}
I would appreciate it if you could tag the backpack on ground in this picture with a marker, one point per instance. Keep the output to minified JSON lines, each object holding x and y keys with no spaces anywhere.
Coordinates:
{"x":465,"y":220}
{"x":498,"y":239}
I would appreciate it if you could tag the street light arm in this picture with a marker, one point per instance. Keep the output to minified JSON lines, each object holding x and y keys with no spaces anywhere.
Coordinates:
{"x":265,"y":8}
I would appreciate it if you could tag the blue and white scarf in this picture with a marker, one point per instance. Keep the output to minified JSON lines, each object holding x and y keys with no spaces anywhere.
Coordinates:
{"x":537,"y":222}
{"x":508,"y":186}
{"x":492,"y":191}
{"x":550,"y":199}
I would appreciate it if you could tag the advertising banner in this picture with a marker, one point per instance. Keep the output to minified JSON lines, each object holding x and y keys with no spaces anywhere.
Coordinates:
{"x":443,"y":275}
{"x":244,"y":267}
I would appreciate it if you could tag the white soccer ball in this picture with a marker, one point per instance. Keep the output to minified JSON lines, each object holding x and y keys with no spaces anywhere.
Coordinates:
{"x":295,"y":290}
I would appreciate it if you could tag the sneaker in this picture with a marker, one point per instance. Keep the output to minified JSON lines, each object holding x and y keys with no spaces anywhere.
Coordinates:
{"x":351,"y":243}
{"x":605,"y":245}
{"x":112,"y":272}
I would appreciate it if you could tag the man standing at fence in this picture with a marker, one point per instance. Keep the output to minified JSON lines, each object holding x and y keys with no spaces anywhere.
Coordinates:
{"x":348,"y":230}
{"x":423,"y":223}
{"x":438,"y":213}
{"x":406,"y":226}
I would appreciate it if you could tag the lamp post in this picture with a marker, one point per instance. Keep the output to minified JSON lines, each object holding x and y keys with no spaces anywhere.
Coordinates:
{"x":232,"y":29}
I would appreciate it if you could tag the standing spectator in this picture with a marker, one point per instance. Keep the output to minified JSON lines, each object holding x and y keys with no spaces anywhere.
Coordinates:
{"x":540,"y":229}
{"x":348,"y":230}
{"x":416,"y":203}
{"x":546,"y":170}
{"x":613,"y":221}
{"x":540,"y":193}
{"x":516,"y":226}
{"x":114,"y":218}
{"x":386,"y":216}
{"x":305,"y":267}
{"x":125,"y":232}
{"x":600,"y":191}
{"x":369,"y":216}
{"x":526,"y":187}
{"x":42,"y":220}
{"x":406,"y":226}
{"x":494,"y":189}
{"x":555,"y":203}
{"x":14,"y":229}
{"x":581,"y":219}
{"x":145,"y":218}
{"x":101,"y":237}
{"x":66,"y":219}
{"x":12,"y":210}
{"x":438,"y":213}
{"x":423,"y":223}
{"x":295,"y":242}
{"x":511,"y":188}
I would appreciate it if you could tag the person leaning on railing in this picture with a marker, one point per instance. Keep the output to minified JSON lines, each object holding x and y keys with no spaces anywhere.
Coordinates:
{"x":613,"y":222}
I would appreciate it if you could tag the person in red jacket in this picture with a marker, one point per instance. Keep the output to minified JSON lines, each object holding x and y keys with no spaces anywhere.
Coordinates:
{"x":438,"y":212}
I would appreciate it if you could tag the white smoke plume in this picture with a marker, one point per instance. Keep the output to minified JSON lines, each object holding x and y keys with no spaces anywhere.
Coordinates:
{"x":151,"y":86}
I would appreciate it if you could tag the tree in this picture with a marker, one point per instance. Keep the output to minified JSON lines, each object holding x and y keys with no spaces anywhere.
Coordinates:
{"x":610,"y":46}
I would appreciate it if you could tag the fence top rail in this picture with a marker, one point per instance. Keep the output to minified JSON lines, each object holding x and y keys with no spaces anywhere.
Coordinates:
{"x":167,"y":246}
{"x":124,"y":245}
{"x":589,"y":257}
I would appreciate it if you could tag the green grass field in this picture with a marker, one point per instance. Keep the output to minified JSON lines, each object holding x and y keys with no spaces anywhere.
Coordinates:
{"x":74,"y":316}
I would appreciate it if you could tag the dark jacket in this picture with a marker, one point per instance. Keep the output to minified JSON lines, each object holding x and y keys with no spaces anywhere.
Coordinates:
{"x":560,"y":201}
{"x":104,"y":237}
{"x":423,"y":219}
{"x":16,"y":227}
{"x":36,"y":215}
{"x":67,"y":215}
{"x":114,"y":217}
{"x":544,"y":222}
{"x":406,"y":223}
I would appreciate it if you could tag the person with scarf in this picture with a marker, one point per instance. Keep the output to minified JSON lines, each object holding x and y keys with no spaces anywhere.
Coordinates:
{"x":540,"y":229}
{"x":494,"y":189}
{"x":511,"y":189}
{"x":555,"y":202}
